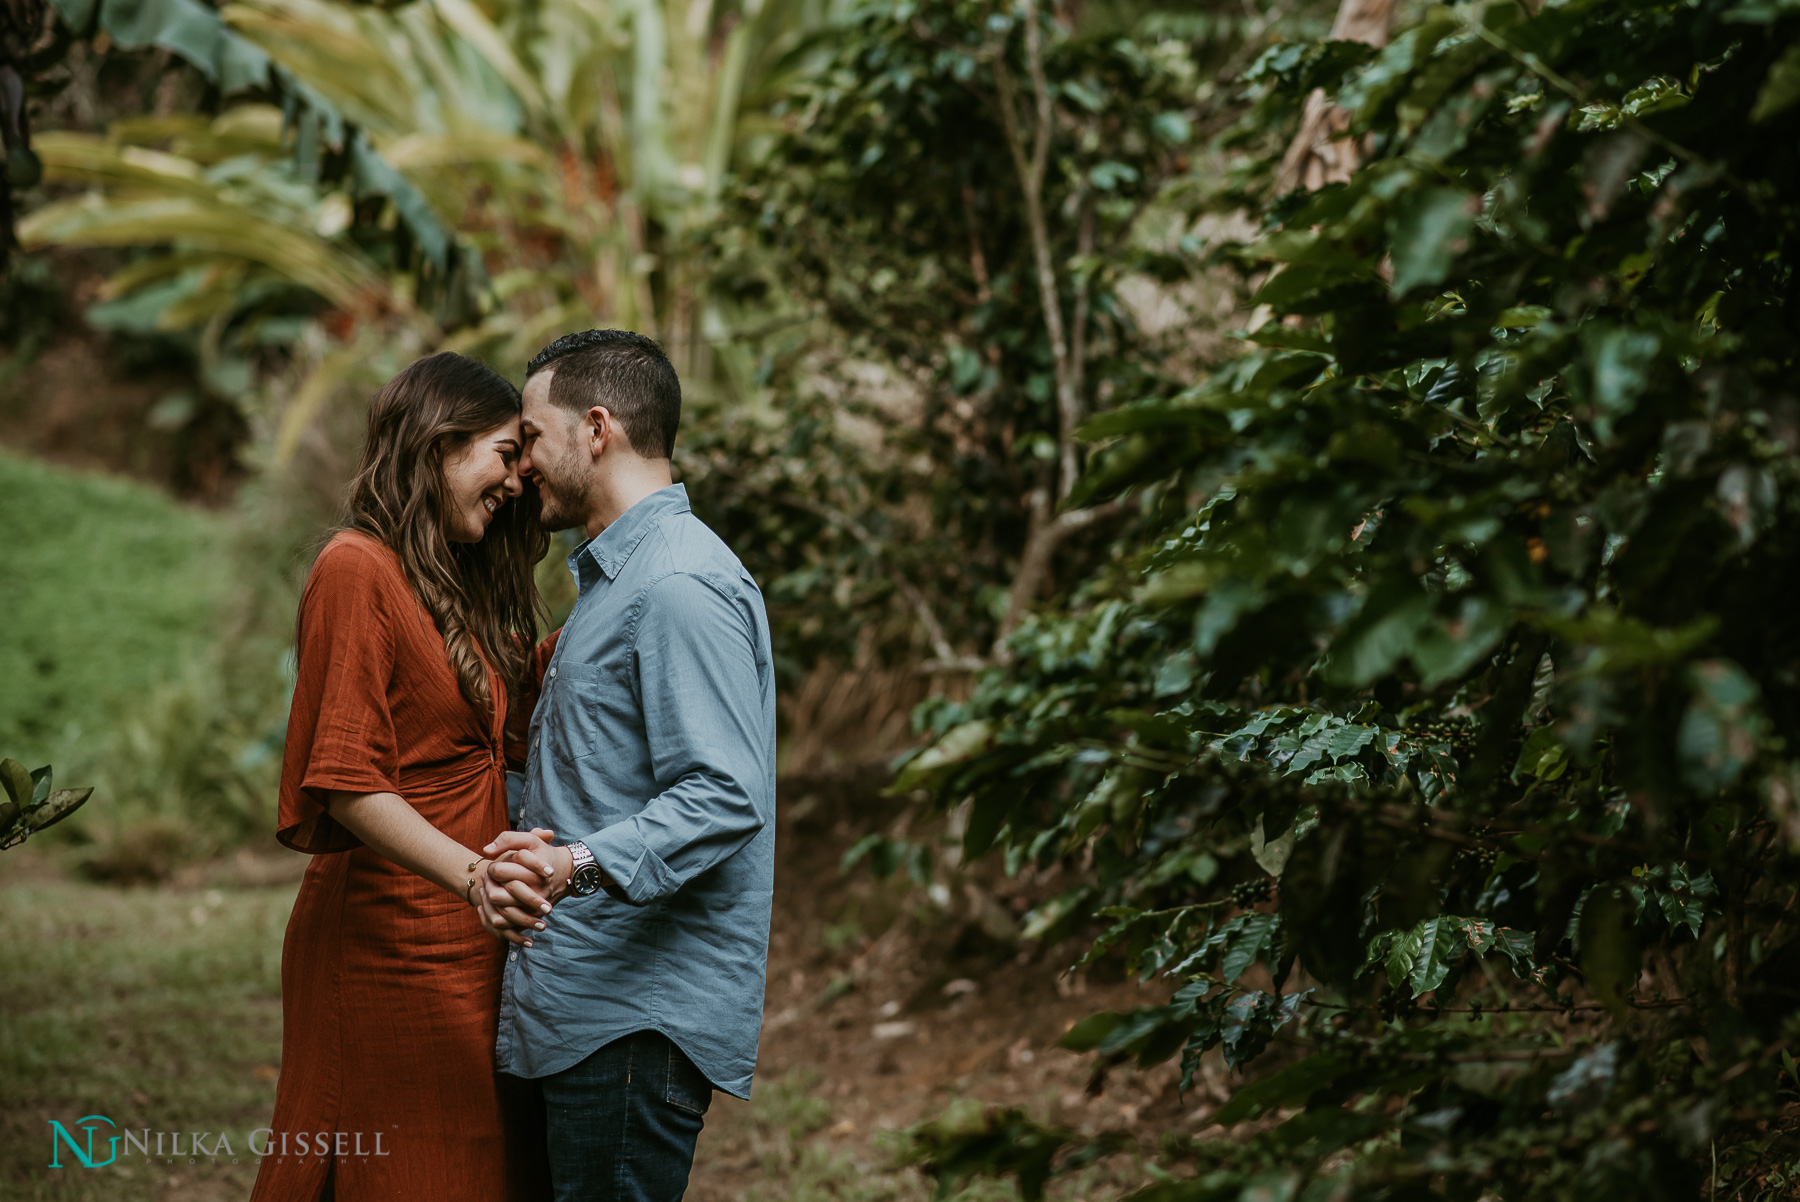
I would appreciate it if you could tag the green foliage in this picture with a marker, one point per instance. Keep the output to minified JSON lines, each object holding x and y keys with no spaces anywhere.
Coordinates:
{"x":198,"y":35}
{"x":108,"y":587}
{"x":1473,"y":635}
{"x":435,"y":176}
{"x":929,"y":409}
{"x":31,"y":804}
{"x":134,"y":658}
{"x":801,"y":499}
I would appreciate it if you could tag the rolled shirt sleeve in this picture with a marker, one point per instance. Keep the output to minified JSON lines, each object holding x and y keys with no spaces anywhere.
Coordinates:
{"x":694,"y":653}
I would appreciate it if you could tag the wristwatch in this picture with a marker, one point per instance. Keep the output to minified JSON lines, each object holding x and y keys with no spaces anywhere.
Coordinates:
{"x":585,"y":878}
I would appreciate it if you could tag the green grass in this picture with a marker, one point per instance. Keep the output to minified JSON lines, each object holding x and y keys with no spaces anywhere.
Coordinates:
{"x":141,"y":653}
{"x":155,"y":1008}
{"x":108,"y":589}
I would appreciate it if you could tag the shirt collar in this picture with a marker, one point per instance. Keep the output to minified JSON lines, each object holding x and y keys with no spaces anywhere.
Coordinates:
{"x":609,"y":549}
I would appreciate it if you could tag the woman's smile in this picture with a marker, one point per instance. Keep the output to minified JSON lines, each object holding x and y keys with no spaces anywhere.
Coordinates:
{"x":481,"y":476}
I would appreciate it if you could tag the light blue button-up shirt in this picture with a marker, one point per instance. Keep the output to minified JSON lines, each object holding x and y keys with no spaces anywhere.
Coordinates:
{"x":653,"y":742}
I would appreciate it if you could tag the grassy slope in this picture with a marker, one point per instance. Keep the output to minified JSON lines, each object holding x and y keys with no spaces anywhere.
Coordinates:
{"x":157,"y":1009}
{"x":106,"y":588}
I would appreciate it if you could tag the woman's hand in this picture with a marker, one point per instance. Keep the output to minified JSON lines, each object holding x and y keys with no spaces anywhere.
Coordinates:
{"x":507,"y":894}
{"x":508,"y":923}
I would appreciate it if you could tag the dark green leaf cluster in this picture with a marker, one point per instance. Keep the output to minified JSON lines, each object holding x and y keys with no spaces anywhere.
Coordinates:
{"x":1474,"y":645}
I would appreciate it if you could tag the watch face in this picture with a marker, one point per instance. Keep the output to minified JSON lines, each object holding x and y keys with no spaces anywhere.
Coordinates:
{"x":585,"y":880}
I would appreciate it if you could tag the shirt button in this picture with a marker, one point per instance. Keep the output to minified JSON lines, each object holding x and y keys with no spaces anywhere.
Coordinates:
{"x":512,"y":955}
{"x":553,"y":671}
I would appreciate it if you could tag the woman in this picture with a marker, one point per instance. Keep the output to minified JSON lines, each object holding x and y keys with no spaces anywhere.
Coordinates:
{"x":415,"y":625}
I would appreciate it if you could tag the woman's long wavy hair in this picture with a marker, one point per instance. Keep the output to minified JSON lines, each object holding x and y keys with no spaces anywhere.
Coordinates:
{"x":481,"y":595}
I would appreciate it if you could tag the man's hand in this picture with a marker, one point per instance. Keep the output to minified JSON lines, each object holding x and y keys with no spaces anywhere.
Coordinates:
{"x":510,"y":897}
{"x":530,"y":856}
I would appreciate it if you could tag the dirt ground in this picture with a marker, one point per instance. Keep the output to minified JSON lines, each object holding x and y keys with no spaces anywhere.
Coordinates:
{"x":886,"y":1004}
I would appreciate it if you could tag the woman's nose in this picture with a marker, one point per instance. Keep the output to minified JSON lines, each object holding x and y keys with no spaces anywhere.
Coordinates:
{"x":513,"y":485}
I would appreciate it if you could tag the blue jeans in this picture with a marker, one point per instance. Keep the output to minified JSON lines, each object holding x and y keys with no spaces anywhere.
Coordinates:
{"x":621,"y":1125}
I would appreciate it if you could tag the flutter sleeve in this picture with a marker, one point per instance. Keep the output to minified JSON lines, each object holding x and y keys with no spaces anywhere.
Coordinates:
{"x":340,"y":731}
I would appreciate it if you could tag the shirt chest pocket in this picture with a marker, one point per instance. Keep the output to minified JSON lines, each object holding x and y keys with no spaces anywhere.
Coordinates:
{"x":577,"y":697}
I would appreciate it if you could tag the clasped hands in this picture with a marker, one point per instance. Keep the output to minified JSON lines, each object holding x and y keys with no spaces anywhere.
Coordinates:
{"x":515,"y":890}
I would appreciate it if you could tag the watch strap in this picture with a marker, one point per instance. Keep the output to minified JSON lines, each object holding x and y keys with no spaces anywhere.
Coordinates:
{"x":585,"y":876}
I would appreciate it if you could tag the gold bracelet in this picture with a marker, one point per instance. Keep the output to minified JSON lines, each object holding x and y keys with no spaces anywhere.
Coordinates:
{"x":470,"y":887}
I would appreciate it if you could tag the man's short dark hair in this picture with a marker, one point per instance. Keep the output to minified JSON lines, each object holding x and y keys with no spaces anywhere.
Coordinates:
{"x":624,"y":372}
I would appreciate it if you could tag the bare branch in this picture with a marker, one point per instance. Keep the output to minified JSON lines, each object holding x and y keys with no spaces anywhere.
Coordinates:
{"x":1084,"y":289}
{"x":1040,"y":87}
{"x":1046,"y":534}
{"x":1031,"y":167}
{"x":977,"y":260}
{"x":1068,"y":348}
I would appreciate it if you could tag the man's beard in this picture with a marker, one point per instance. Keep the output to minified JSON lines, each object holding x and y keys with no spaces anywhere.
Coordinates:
{"x":557,"y":511}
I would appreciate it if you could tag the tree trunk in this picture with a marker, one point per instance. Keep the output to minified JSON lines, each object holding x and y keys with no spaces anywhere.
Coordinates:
{"x":1320,"y":153}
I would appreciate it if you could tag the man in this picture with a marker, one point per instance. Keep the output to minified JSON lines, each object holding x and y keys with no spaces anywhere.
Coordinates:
{"x":652,"y":751}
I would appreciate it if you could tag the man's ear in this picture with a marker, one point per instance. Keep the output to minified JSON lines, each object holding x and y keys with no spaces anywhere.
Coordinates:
{"x":600,"y":429}
{"x":606,"y":431}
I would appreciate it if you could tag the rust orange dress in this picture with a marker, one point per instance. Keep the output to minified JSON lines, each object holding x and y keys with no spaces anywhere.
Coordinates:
{"x":390,"y":989}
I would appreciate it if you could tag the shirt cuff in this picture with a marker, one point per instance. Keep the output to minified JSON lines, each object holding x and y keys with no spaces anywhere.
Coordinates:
{"x":638,"y":874}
